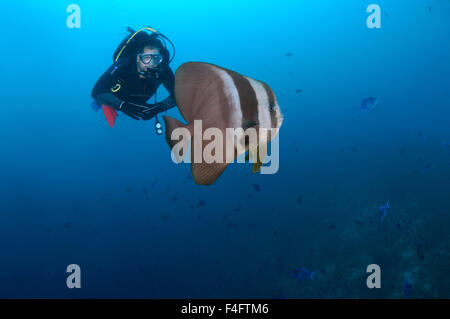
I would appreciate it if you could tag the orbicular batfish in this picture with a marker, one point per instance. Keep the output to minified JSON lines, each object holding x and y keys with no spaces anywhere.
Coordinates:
{"x":221,"y":99}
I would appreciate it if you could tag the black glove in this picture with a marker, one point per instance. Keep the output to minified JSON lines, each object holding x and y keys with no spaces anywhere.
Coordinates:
{"x":133,"y":110}
{"x":154,"y":109}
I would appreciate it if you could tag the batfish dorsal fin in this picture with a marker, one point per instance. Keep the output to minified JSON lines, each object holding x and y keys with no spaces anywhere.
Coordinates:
{"x":199,"y":88}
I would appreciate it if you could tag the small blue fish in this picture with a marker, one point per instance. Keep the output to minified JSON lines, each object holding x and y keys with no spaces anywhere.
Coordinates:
{"x":406,"y":288}
{"x":421,"y":134}
{"x":165,"y":216}
{"x":201,"y":203}
{"x":383,"y":210}
{"x":368,"y":104}
{"x":302,"y":274}
{"x":446,"y":146}
{"x":256,"y":187}
{"x":426,"y":168}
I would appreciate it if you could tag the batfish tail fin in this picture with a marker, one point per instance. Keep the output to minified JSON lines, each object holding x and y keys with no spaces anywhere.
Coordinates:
{"x":254,"y":153}
{"x":257,"y":167}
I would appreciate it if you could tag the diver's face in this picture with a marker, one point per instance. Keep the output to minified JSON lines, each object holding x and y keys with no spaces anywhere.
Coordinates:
{"x":142,"y":67}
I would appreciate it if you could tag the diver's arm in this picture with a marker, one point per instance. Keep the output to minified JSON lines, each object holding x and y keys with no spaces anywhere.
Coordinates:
{"x":102,"y":93}
{"x":105,"y":82}
{"x":155,"y":109}
{"x":133,"y":110}
{"x":110,"y":100}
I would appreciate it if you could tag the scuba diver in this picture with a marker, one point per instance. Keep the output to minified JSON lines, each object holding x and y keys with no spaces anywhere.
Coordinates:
{"x":141,"y":65}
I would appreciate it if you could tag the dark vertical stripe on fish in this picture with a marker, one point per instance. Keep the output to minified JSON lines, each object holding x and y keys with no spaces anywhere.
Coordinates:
{"x":247,"y":98}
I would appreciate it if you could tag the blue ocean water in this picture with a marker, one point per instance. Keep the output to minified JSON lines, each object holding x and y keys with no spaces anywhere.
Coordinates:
{"x":75,"y":191}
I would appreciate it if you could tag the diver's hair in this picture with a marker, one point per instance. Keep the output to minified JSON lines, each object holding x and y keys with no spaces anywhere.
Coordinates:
{"x":147,"y":40}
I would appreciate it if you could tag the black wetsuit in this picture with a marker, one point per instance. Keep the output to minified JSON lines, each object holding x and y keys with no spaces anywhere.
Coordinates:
{"x":127,"y":92}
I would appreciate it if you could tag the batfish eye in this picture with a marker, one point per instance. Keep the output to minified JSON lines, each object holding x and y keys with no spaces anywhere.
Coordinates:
{"x":272,"y":107}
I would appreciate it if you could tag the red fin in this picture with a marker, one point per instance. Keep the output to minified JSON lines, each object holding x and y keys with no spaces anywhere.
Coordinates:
{"x":110,"y":114}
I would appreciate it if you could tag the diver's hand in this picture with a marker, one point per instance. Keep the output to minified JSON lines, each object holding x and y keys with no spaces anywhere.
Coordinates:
{"x":154,"y":109}
{"x":151,"y":111}
{"x":132,"y":110}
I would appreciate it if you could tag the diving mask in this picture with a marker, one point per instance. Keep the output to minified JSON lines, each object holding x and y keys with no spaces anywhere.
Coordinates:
{"x":148,"y":58}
